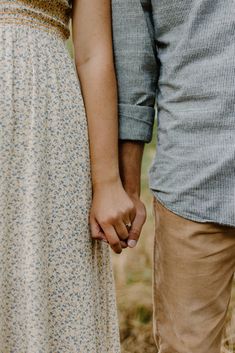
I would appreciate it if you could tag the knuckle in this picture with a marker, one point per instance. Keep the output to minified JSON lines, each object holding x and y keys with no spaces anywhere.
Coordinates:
{"x":124,"y":236}
{"x":110,"y":219}
{"x":105,"y":221}
{"x":142,"y":214}
{"x":130,"y":206}
{"x":119,"y":214}
{"x":114,"y":243}
{"x":116,"y":218}
{"x":135,"y":232}
{"x":102,"y":223}
{"x":130,"y":210}
{"x":130,"y":203}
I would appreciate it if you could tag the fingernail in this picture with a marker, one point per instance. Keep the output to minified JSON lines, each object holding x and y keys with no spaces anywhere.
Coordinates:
{"x":132,"y":243}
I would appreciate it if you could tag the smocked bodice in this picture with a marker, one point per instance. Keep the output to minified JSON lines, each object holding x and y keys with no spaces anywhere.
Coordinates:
{"x":51,"y":15}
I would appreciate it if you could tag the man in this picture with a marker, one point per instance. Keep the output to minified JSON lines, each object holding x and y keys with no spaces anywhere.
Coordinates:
{"x":180,"y":54}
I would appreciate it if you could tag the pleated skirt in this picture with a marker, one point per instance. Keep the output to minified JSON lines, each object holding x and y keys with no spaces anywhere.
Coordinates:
{"x":56,"y":284}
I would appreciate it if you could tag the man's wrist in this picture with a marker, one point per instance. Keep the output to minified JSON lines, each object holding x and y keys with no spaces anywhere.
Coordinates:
{"x":130,"y":159}
{"x":132,"y":188}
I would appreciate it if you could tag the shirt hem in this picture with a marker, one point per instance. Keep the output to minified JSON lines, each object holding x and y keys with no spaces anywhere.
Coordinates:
{"x":190,"y":216}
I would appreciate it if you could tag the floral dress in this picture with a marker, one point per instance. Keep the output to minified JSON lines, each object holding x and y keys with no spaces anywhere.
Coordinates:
{"x":56,"y":284}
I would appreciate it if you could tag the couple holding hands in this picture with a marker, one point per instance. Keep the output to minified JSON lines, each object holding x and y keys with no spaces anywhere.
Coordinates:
{"x":71,"y":145}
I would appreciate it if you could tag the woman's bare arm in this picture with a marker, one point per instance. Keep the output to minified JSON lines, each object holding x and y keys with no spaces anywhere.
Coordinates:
{"x":94,"y":61}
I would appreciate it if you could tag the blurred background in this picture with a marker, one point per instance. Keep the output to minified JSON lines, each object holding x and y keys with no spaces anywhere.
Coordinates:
{"x":133,"y":275}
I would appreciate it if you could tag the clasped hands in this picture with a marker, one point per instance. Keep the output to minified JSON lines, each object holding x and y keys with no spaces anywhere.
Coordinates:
{"x":116,"y":217}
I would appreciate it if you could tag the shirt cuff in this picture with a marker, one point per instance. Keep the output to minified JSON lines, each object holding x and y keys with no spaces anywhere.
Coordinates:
{"x":136,"y":122}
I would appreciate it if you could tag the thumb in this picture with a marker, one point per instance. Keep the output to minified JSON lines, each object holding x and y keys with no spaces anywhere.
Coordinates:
{"x":135,"y":230}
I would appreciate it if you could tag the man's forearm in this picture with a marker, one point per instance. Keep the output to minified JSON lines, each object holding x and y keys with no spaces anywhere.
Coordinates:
{"x":130,"y":160}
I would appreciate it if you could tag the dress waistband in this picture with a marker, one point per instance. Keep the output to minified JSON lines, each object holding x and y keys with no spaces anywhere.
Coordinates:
{"x":41,"y":15}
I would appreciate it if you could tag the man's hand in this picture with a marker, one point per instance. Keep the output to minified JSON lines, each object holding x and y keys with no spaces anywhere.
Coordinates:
{"x":137,"y":224}
{"x":130,"y":159}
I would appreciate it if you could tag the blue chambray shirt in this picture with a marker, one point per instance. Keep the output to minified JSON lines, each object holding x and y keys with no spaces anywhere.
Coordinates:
{"x":180,"y":55}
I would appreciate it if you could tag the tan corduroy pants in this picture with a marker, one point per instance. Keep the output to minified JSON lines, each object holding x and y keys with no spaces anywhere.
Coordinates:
{"x":194,"y":265}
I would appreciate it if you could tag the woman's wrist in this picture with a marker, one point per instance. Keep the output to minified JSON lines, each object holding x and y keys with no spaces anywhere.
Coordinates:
{"x":100,"y":183}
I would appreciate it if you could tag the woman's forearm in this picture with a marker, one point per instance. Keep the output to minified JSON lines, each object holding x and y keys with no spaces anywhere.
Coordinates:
{"x":99,"y":90}
{"x":92,"y":37}
{"x":111,"y":209}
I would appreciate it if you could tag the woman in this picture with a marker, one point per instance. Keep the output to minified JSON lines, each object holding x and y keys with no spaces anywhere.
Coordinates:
{"x":56,"y":284}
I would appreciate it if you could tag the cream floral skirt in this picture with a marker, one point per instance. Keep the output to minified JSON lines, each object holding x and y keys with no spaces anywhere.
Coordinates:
{"x":56,"y":285}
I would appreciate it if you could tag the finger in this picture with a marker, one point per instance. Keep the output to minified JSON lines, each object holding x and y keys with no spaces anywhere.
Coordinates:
{"x":121,"y":230}
{"x":112,"y":238}
{"x":132,"y":214}
{"x":124,"y":244}
{"x":135,"y":230}
{"x":96,"y":231}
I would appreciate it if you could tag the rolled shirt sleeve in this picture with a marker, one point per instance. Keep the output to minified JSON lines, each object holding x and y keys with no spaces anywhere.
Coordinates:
{"x":136,"y":67}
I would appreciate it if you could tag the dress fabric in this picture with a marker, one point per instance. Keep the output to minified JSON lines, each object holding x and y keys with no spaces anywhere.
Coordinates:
{"x":56,"y":284}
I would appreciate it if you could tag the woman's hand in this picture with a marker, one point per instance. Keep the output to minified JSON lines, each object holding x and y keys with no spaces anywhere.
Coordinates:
{"x":111,"y":213}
